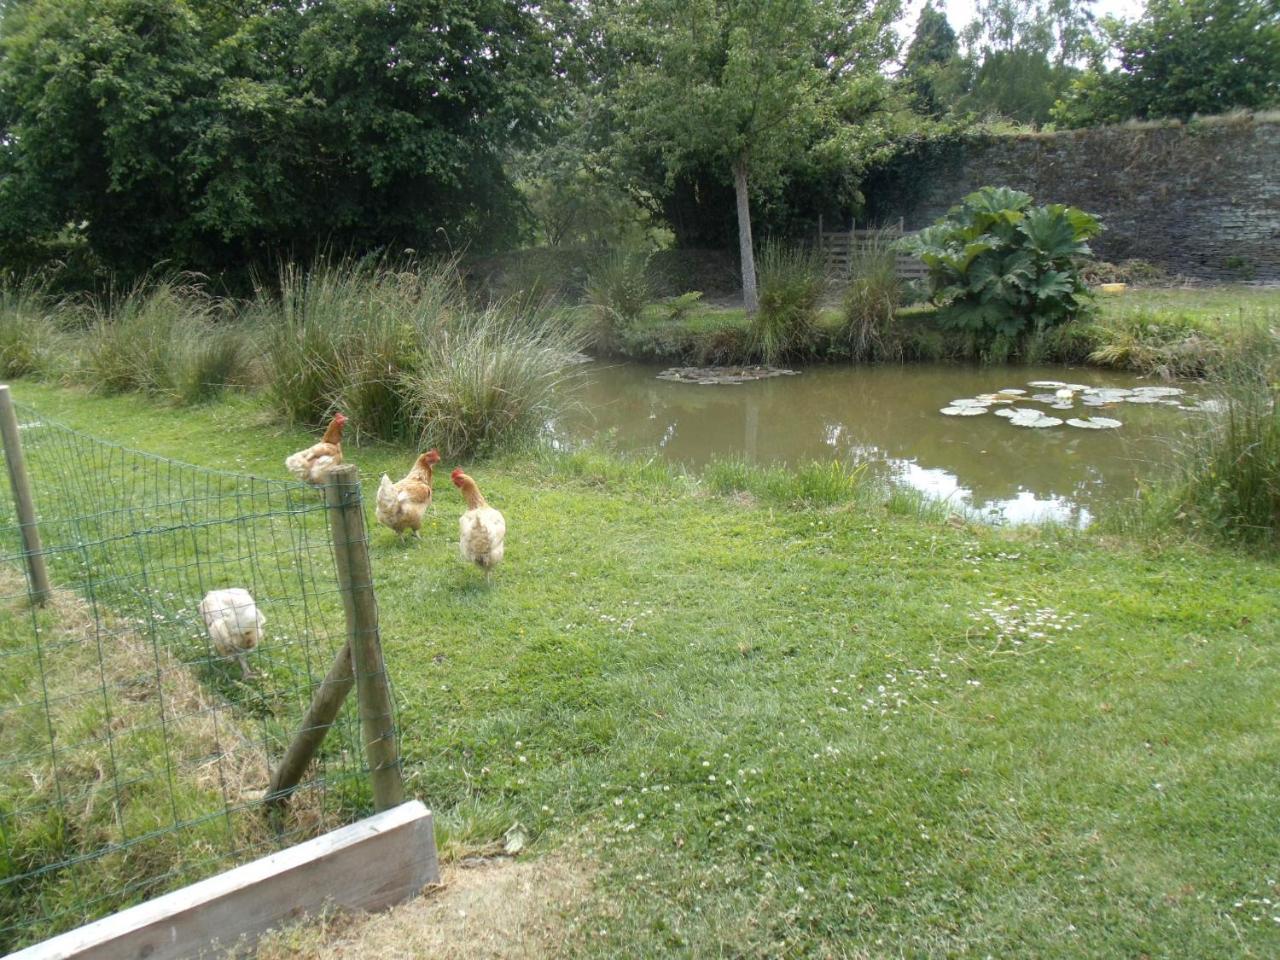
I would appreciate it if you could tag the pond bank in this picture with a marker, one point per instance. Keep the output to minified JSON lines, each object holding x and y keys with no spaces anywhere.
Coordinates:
{"x":1163,"y":331}
{"x":795,"y":723}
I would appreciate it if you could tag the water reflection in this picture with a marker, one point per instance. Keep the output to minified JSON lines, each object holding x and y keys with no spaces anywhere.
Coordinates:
{"x":888,"y":416}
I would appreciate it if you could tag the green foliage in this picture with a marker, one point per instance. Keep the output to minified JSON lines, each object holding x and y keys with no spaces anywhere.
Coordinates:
{"x":1002,"y":267}
{"x":490,"y":382}
{"x":1225,"y":481}
{"x":871,"y":301}
{"x":165,"y":339}
{"x":408,"y":359}
{"x":1180,"y":58}
{"x":617,"y":290}
{"x":30,"y":337}
{"x":211,"y":134}
{"x":792,"y":281}
{"x":344,"y":334}
{"x":741,"y":88}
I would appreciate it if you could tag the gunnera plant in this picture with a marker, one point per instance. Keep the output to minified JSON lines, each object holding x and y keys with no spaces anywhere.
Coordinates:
{"x":1001,"y":267}
{"x":792,"y":281}
{"x":872,"y":299}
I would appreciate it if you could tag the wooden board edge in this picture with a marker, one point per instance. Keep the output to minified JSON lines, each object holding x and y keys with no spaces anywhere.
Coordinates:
{"x":369,"y":865}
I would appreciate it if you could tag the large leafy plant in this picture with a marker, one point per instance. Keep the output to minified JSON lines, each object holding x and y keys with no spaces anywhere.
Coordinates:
{"x":999,"y":266}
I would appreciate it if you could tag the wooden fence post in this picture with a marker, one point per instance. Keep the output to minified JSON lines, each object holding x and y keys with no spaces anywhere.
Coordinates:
{"x":325,"y":705}
{"x":355,"y":579}
{"x":32,"y":550}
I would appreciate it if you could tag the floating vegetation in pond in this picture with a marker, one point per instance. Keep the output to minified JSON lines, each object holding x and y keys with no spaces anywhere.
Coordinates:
{"x":1065,"y":397}
{"x":1034,"y":419}
{"x":718,"y":375}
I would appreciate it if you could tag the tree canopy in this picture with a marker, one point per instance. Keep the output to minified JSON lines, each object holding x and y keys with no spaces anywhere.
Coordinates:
{"x":215,"y":133}
{"x":1180,"y":58}
{"x":745,"y":87}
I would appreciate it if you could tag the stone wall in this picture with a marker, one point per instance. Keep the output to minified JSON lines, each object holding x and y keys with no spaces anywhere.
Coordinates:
{"x":1202,"y":199}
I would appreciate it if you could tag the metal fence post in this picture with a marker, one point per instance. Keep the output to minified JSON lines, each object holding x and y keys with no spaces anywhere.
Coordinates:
{"x":32,"y":550}
{"x":355,"y":578}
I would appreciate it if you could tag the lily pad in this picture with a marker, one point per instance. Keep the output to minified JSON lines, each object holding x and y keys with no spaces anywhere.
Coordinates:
{"x":1034,"y":419}
{"x":969,"y":402}
{"x":1051,"y":384}
{"x":1142,"y":398}
{"x":1160,"y":391}
{"x":1012,"y":391}
{"x":1094,"y":423}
{"x":1005,"y":412}
{"x":963,"y":411}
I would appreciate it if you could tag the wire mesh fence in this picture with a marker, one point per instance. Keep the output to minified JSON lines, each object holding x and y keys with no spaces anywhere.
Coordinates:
{"x":136,"y":747}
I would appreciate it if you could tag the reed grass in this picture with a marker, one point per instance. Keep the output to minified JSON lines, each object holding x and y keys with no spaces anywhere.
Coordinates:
{"x":30,"y":336}
{"x":792,"y":282}
{"x":871,"y":302}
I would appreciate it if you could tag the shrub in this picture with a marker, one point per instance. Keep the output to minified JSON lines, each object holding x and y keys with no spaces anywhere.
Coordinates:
{"x":871,"y":301}
{"x":792,"y":282}
{"x":491,"y":380}
{"x":1001,"y":267}
{"x":617,"y":290}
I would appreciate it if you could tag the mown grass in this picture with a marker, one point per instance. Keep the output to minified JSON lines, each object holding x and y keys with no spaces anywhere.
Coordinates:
{"x":797,"y":723}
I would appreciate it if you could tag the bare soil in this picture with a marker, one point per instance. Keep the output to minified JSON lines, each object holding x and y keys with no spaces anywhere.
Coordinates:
{"x":483,"y":908}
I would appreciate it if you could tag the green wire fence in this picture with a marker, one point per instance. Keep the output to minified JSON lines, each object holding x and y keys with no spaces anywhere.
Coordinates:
{"x":134,"y":755}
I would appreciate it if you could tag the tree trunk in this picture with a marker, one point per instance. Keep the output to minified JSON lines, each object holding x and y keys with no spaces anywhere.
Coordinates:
{"x":749,"y":296}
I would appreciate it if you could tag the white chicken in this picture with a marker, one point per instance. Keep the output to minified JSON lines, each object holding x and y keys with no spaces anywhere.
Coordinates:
{"x":234,"y":623}
{"x":311,"y":465}
{"x":482,"y":531}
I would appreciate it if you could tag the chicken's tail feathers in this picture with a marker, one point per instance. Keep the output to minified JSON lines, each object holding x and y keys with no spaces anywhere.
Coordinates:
{"x":386,"y":492}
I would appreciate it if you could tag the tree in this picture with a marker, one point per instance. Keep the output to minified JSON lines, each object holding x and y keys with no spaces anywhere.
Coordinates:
{"x":933,"y":62}
{"x":741,"y":85}
{"x":1023,"y":52}
{"x":219,"y":133}
{"x":1183,"y":57}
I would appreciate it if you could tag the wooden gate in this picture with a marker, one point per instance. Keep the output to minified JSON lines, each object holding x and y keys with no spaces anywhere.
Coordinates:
{"x":840,"y":249}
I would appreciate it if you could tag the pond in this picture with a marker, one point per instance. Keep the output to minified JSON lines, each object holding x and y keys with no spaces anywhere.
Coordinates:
{"x":890,"y":416}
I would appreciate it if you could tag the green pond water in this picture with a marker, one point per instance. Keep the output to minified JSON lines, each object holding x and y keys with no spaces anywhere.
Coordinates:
{"x":889,"y":416}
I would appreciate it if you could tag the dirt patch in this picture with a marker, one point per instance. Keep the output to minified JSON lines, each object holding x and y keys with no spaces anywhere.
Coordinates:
{"x":482,"y":909}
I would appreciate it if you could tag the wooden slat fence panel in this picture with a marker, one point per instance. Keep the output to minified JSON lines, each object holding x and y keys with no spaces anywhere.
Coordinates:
{"x":840,"y":247}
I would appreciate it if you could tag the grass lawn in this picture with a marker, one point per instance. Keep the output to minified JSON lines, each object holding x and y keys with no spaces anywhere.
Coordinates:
{"x":779,"y":728}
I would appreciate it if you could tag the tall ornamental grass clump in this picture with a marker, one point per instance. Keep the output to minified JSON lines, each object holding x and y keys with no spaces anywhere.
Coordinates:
{"x":405,"y":355}
{"x":491,"y":380}
{"x":167,"y":338}
{"x":617,"y":289}
{"x":344,"y":334}
{"x":1225,"y":485}
{"x":792,"y":281}
{"x":31,"y":339}
{"x":871,"y":301}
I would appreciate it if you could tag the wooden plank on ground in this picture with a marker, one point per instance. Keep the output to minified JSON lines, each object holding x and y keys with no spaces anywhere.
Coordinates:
{"x":380,"y":861}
